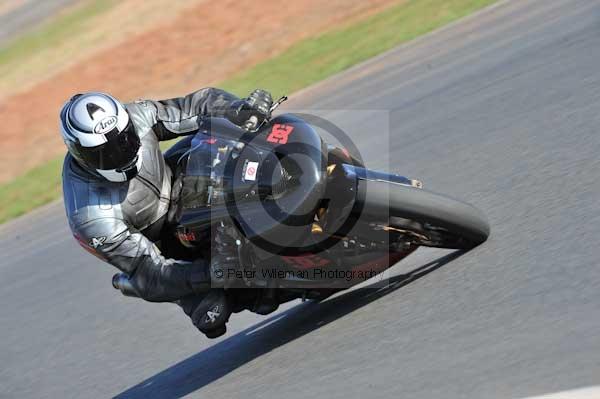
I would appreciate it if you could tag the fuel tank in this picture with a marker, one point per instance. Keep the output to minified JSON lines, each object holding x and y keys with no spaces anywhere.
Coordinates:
{"x":269,"y":182}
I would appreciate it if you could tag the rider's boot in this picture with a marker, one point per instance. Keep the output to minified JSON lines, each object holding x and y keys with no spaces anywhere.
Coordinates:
{"x":212,"y":312}
{"x":209,"y":313}
{"x":224,"y":259}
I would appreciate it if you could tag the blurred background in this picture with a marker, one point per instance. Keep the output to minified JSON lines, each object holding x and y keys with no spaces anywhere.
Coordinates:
{"x":53,"y":49}
{"x":500,"y":109}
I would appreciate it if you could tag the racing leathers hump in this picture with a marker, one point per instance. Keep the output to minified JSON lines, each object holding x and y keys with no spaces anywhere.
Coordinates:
{"x":118,"y":222}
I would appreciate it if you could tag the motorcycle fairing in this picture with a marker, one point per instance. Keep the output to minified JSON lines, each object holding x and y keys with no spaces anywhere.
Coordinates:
{"x":278,"y":204}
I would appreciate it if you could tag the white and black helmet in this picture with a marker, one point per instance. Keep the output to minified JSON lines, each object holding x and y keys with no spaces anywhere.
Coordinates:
{"x":100,"y":136}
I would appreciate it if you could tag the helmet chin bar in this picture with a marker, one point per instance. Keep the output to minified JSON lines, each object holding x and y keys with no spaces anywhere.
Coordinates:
{"x":118,"y":175}
{"x":112,"y":175}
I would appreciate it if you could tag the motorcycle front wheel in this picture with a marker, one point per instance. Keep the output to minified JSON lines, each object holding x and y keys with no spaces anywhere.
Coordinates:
{"x":420,"y":216}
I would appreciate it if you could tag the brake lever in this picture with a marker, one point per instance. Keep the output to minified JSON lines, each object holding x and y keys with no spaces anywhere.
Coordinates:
{"x":277,"y":104}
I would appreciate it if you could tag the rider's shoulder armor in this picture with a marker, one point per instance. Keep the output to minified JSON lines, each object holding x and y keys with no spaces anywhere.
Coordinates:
{"x":138,"y":203}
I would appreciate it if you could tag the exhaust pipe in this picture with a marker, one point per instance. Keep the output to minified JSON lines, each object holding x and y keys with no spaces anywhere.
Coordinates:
{"x":120,"y":281}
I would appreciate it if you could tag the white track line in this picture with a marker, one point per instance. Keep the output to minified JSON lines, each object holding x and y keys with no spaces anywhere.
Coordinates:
{"x":581,"y":393}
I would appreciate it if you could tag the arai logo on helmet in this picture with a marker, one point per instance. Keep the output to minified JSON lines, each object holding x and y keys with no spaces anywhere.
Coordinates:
{"x":105,"y":125}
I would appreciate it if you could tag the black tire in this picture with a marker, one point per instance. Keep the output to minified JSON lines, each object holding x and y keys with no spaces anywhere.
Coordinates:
{"x":445,"y":221}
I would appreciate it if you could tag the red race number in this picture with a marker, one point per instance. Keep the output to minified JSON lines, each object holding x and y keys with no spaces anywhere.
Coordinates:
{"x":280,"y":133}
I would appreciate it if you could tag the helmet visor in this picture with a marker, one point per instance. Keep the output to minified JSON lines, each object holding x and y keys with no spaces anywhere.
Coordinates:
{"x":118,"y":152}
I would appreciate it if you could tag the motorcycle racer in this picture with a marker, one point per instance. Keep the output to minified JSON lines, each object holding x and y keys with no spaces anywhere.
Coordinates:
{"x":117,"y":190}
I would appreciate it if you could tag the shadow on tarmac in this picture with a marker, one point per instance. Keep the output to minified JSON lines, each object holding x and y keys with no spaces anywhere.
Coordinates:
{"x":217,"y":361}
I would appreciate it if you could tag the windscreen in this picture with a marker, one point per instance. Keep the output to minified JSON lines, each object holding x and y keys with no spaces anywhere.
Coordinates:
{"x":204,"y":180}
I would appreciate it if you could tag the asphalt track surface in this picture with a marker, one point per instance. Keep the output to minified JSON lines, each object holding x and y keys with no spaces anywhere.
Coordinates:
{"x":27,"y":15}
{"x":501,"y":109}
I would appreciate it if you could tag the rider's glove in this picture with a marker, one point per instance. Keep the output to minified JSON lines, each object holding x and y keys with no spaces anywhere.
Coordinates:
{"x":251,"y":111}
{"x":261,"y":100}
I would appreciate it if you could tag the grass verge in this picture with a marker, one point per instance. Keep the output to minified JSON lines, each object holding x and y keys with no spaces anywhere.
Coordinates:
{"x":304,"y":63}
{"x":316,"y":58}
{"x":52,"y":32}
{"x":36,"y":187}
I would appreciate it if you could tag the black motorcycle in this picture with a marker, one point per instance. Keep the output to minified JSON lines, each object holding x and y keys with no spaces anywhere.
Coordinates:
{"x":306,"y":218}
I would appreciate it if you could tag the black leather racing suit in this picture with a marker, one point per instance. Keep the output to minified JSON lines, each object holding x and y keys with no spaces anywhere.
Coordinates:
{"x":119,"y":222}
